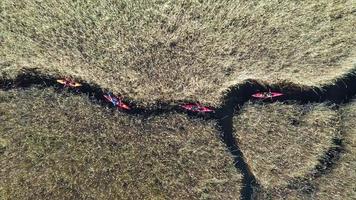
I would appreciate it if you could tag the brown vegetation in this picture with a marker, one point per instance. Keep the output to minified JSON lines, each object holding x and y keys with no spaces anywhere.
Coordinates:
{"x":281,"y":159}
{"x":60,"y":146}
{"x":340,"y":183}
{"x":283,"y":142}
{"x":176,"y":49}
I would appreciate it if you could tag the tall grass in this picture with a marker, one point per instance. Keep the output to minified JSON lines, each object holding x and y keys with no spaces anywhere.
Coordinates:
{"x":177,"y":49}
{"x":60,"y":146}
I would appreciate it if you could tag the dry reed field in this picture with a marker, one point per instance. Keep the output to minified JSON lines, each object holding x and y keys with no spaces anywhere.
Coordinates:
{"x":340,"y":182}
{"x":60,"y":146}
{"x":283,"y":142}
{"x":283,"y":145}
{"x":177,"y":49}
{"x":56,"y":144}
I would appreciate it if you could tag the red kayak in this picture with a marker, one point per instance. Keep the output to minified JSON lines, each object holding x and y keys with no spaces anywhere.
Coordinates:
{"x":196,"y":107}
{"x":67,"y":82}
{"x":116,"y":101}
{"x":266,"y":95}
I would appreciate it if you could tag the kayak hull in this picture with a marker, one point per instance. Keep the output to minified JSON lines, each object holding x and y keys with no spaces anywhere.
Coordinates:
{"x":68,"y":83}
{"x":117,"y":102}
{"x":196,"y":108}
{"x":124,"y":106}
{"x":263,"y":95}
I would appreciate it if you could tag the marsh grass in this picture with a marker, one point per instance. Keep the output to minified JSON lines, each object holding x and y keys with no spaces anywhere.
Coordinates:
{"x":176,"y":49}
{"x":340,"y":183}
{"x":282,"y":142}
{"x":59,"y":146}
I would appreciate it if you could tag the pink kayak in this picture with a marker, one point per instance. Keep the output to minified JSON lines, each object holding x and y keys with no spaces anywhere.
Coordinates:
{"x":196,"y":107}
{"x":266,"y":95}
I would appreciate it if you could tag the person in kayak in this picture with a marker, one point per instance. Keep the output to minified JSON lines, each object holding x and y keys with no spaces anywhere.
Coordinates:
{"x":267,"y":95}
{"x":67,"y":82}
{"x":116,"y":101}
{"x":196,"y":107}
